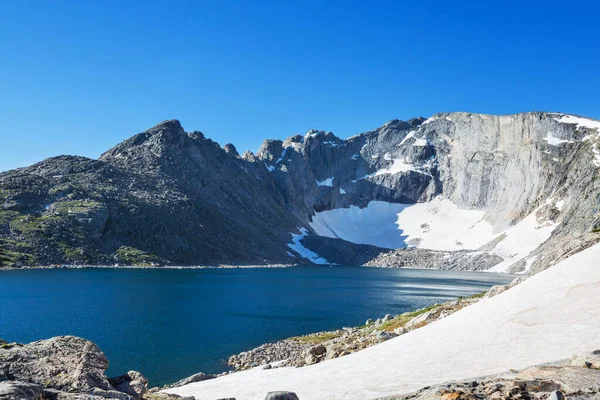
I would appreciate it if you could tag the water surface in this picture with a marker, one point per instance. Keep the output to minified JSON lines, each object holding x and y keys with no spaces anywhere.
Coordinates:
{"x":171,"y":323}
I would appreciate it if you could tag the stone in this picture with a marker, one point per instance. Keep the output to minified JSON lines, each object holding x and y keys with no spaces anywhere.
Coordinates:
{"x":281,"y":396}
{"x":66,"y":363}
{"x":318,"y":350}
{"x":15,"y":390}
{"x":133,"y":383}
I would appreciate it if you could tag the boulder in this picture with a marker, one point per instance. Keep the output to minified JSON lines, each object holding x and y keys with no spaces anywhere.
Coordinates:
{"x":133,"y":383}
{"x":281,"y":396}
{"x":318,"y":350}
{"x":65,"y":363}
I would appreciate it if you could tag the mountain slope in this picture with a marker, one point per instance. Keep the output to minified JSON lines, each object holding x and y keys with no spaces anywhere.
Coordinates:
{"x":516,"y":192}
{"x":163,"y":196}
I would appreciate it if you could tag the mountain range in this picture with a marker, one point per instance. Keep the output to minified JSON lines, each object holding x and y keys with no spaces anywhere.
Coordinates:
{"x":512,"y":193}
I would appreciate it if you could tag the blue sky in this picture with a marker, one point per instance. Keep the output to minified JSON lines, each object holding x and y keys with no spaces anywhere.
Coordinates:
{"x":77,"y":77}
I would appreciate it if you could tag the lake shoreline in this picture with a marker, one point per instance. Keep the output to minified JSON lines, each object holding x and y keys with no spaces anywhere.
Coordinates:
{"x":228,"y":266}
{"x":225,"y":266}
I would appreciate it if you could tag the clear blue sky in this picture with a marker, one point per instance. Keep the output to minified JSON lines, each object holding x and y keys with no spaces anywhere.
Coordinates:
{"x":77,"y":77}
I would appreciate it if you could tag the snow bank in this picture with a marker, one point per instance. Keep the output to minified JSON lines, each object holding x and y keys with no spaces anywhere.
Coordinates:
{"x":269,"y":168}
{"x":374,"y":224}
{"x":553,"y":315}
{"x":297,"y":246}
{"x":521,"y":239}
{"x":436,"y":225}
{"x":441,"y":225}
{"x":581,"y":122}
{"x":554,"y":141}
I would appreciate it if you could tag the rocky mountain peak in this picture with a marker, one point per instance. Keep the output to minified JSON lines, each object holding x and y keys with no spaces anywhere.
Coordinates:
{"x":270,"y":150}
{"x":230,"y":149}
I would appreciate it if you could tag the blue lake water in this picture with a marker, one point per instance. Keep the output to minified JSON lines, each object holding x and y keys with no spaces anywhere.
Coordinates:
{"x":171,"y":323}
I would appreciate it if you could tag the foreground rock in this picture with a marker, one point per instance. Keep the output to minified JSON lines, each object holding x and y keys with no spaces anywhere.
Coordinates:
{"x":63,"y":368}
{"x":574,"y":379}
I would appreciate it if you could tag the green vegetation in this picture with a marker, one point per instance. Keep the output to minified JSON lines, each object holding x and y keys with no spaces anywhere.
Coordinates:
{"x":132,"y":256}
{"x":13,"y":252}
{"x":596,"y":230}
{"x":400,"y":320}
{"x":75,"y":206}
{"x":31,"y":225}
{"x":7,"y":216}
{"x":316,"y":339}
{"x":478,"y":295}
{"x":73,"y":254}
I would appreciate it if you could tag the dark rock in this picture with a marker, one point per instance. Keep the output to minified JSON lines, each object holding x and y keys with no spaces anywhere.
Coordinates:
{"x":230,"y":149}
{"x":133,"y":383}
{"x":281,"y":396}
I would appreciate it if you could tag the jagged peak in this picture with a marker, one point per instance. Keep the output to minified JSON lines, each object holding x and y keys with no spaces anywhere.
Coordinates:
{"x":169,"y":124}
{"x":270,"y":149}
{"x":230,"y":149}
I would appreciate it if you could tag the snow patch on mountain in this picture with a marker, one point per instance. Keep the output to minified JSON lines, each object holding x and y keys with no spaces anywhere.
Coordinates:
{"x":296,"y":246}
{"x":554,"y":141}
{"x":441,"y":225}
{"x":435,"y":225}
{"x":374,"y":224}
{"x":521,"y":239}
{"x":326,"y":182}
{"x":581,"y":122}
{"x":269,"y":168}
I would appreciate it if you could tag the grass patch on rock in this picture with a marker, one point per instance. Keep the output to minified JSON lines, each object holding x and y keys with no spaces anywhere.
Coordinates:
{"x":316,"y":339}
{"x":400,"y":320}
{"x":131,"y":256}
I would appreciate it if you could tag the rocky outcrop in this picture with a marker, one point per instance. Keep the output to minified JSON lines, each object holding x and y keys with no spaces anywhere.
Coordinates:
{"x":462,"y":260}
{"x":133,"y":383}
{"x":577,"y":378}
{"x":63,"y":368}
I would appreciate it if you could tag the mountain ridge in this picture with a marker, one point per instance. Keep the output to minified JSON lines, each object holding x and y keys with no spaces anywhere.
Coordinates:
{"x":166,"y":196}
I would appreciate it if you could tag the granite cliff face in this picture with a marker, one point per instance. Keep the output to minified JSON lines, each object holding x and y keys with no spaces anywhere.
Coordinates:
{"x":515,"y":193}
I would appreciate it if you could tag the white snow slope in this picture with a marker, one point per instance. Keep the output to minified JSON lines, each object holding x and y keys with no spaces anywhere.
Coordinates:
{"x":552,"y":315}
{"x":437,"y":225}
